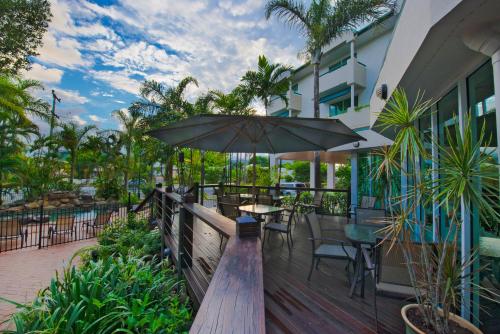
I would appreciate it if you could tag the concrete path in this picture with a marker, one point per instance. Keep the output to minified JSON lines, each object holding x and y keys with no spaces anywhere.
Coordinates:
{"x":24,"y":272}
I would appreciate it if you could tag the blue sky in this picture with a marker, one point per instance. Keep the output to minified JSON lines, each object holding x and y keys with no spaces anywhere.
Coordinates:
{"x":96,"y":53}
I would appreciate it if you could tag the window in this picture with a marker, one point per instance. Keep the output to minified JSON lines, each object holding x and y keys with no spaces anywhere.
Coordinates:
{"x":341,"y":107}
{"x":338,"y":64}
{"x":481,"y":93}
{"x":425,"y":128}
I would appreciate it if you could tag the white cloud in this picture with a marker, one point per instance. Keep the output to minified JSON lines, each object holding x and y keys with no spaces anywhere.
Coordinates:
{"x":62,"y":51}
{"x":96,"y":118}
{"x":44,"y":74}
{"x":120,"y":80}
{"x":78,"y":120}
{"x":71,"y":96}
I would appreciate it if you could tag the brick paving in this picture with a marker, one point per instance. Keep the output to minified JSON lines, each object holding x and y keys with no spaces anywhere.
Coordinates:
{"x":24,"y":272}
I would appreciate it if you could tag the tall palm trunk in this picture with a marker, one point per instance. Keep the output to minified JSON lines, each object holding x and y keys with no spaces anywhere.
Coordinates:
{"x":316,"y":59}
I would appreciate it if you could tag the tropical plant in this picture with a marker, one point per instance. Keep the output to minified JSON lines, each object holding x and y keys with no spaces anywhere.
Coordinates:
{"x":320,"y":24}
{"x":16,"y":128}
{"x":269,"y":80}
{"x":22,"y":26}
{"x":236,"y":102}
{"x":132,"y":128}
{"x":71,"y":137}
{"x":435,"y":269}
{"x":114,"y":295}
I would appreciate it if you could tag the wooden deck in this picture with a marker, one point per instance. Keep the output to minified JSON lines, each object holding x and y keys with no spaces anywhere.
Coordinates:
{"x":295,"y":305}
{"x":321,"y":305}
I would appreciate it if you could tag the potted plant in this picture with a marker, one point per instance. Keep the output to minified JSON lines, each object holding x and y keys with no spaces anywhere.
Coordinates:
{"x":434,"y":266}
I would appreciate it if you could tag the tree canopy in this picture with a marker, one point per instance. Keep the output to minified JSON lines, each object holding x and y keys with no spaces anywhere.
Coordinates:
{"x":22,"y":26}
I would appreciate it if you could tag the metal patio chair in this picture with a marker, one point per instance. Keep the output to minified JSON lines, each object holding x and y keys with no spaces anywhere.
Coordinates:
{"x":64,"y":224}
{"x":370,"y":216}
{"x":323,"y":247}
{"x":283,"y":225}
{"x":101,"y":219}
{"x":11,"y":229}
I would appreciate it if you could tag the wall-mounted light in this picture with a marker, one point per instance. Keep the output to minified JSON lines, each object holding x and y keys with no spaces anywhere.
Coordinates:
{"x":382,"y":92}
{"x":356,"y":144}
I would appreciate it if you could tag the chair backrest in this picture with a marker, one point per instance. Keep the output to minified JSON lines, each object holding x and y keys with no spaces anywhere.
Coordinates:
{"x":368,"y":202}
{"x":314,"y":229}
{"x":265,"y":199}
{"x":231,"y":198}
{"x":391,"y":266}
{"x":10,"y":228}
{"x":230,"y":210}
{"x":65,"y":223}
{"x":102,"y":218}
{"x":370,"y":216}
{"x":318,"y":198}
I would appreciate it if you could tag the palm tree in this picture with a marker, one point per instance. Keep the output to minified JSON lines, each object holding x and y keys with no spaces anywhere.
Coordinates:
{"x":132,"y":128}
{"x":237,"y":102}
{"x":16,"y":103}
{"x":269,"y":80}
{"x":320,"y":24}
{"x":71,"y":137}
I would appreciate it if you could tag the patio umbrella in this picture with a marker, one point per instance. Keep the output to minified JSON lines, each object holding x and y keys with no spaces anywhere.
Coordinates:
{"x":256,"y":134}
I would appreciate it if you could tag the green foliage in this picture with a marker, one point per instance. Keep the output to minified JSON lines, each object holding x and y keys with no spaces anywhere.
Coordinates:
{"x":301,"y":170}
{"x":343,"y":175}
{"x":108,"y":187}
{"x":22,"y":26}
{"x":114,"y":295}
{"x":128,"y":236}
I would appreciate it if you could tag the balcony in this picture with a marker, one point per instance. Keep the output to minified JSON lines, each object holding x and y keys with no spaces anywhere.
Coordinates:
{"x":356,"y":118}
{"x":352,"y":72}
{"x":278,"y":105}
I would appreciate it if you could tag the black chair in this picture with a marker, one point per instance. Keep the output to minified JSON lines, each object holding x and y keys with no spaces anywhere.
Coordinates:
{"x":371,"y":216}
{"x":323,"y":247}
{"x":265,"y":199}
{"x":283,"y":224}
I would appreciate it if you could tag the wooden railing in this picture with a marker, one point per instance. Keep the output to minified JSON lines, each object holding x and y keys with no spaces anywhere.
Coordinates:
{"x":224,"y":276}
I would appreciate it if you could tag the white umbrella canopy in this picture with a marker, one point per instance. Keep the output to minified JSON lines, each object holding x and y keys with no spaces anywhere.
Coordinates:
{"x":256,"y":134}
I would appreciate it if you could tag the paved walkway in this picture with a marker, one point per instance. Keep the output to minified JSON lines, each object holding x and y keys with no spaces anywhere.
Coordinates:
{"x":24,"y":272}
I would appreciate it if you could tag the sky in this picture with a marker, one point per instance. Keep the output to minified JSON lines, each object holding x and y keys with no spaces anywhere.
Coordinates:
{"x":96,"y":53}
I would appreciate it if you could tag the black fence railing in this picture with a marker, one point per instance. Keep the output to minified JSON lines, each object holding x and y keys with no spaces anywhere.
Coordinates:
{"x":42,"y":227}
{"x":336,"y":202}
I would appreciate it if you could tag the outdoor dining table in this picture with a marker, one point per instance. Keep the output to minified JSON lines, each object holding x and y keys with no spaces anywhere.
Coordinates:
{"x":364,"y":238}
{"x":260,"y":209}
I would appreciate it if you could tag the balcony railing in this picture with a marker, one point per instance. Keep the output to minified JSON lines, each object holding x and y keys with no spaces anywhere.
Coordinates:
{"x":352,"y":73}
{"x":294,"y":104}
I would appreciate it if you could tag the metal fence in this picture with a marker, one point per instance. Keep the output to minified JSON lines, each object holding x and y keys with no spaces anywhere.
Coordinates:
{"x":42,"y":227}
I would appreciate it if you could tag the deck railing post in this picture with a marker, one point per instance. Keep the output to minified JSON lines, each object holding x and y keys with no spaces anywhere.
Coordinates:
{"x":161,"y":225}
{"x":196,"y":190}
{"x":185,"y":258}
{"x":40,"y":227}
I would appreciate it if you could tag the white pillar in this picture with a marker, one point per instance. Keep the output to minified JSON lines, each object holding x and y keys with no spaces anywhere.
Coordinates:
{"x":311,"y":174}
{"x":354,"y":181}
{"x":353,"y":59}
{"x":330,"y":176}
{"x":495,"y":60}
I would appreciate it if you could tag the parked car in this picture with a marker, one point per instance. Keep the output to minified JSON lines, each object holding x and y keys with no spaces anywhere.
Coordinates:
{"x":135,"y":183}
{"x":291,"y":185}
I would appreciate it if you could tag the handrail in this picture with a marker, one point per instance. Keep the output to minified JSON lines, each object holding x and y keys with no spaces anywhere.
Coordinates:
{"x":275,"y":188}
{"x":234,"y":300}
{"x":144,"y":201}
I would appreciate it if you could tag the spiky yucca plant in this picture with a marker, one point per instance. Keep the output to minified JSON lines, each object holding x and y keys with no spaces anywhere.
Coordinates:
{"x":435,"y":268}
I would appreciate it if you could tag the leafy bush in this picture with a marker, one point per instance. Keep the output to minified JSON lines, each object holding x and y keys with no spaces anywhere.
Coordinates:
{"x":124,"y":295}
{"x":128,"y":236}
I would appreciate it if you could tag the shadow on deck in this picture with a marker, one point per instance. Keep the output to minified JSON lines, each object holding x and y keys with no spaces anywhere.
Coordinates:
{"x":321,"y":305}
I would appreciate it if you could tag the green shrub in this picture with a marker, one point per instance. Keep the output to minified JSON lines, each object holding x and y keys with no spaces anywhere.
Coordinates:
{"x":128,"y":236}
{"x":117,"y":295}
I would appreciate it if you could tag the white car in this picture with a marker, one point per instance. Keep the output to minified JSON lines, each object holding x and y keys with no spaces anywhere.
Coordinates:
{"x":291,"y":185}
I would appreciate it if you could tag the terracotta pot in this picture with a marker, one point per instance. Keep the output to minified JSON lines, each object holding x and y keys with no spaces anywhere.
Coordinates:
{"x":411,"y":329}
